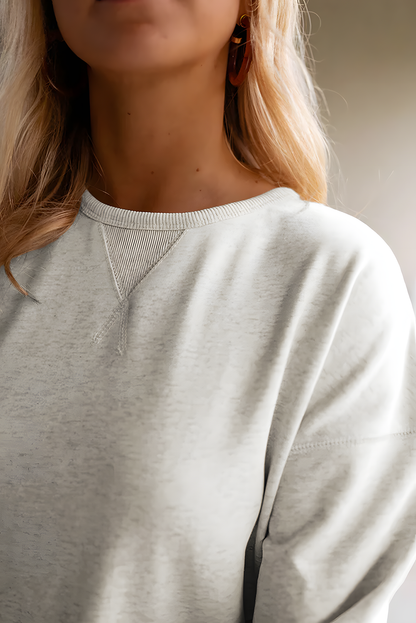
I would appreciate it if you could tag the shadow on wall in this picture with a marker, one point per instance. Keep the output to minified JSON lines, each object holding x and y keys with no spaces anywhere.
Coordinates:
{"x":365,"y":55}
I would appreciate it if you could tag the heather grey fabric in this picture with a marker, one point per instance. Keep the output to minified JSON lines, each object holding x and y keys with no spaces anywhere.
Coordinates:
{"x":207,"y":417}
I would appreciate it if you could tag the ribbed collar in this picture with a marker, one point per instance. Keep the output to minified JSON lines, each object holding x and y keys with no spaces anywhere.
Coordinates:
{"x":110,"y":215}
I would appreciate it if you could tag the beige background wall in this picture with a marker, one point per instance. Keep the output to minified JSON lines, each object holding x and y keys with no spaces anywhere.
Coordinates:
{"x":365,"y":52}
{"x":366,"y":66}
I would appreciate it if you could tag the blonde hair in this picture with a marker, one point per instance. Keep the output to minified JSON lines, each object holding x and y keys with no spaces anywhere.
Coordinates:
{"x":46,"y":154}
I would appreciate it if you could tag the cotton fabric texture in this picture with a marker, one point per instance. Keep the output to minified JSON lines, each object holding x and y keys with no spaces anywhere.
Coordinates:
{"x":207,"y":417}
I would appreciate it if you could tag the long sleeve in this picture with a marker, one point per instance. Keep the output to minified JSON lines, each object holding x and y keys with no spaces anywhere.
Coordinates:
{"x":341,"y":537}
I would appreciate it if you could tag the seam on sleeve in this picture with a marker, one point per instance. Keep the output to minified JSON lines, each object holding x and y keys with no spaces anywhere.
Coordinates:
{"x":346,"y":441}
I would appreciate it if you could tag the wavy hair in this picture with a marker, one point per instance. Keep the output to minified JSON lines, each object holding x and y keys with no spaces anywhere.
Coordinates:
{"x":47,"y":158}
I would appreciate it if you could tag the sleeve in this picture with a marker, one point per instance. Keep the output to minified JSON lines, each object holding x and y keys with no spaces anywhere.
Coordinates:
{"x":341,"y":537}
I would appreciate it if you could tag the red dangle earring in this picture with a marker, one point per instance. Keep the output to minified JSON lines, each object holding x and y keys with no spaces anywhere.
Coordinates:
{"x":236,"y":71}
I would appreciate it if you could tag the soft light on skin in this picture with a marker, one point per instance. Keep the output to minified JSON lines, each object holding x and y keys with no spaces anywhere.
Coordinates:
{"x":157,"y":72}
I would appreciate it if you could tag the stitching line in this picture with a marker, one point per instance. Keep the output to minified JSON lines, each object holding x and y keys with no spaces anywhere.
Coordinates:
{"x":346,"y":441}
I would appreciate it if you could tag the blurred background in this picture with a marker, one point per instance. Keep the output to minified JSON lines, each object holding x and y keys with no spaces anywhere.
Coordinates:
{"x":365,"y":55}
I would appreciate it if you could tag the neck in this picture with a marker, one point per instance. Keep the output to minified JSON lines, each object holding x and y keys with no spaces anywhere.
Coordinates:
{"x":161,"y":142}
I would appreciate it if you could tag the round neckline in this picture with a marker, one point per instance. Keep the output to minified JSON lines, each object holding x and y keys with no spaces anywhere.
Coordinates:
{"x":118,"y":217}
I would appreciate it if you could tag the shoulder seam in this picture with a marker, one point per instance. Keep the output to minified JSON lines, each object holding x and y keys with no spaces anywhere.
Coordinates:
{"x":347,"y":441}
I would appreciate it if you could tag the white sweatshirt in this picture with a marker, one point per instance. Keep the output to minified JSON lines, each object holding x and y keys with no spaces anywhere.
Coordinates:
{"x":207,"y":417}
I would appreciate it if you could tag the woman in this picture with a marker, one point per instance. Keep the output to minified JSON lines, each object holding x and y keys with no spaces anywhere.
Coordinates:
{"x":208,"y":389}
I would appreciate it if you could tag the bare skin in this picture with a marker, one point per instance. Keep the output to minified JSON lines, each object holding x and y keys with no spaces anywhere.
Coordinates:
{"x":157,"y":72}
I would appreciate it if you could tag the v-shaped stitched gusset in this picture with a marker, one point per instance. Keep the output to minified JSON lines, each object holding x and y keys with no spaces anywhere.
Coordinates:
{"x":132,"y":256}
